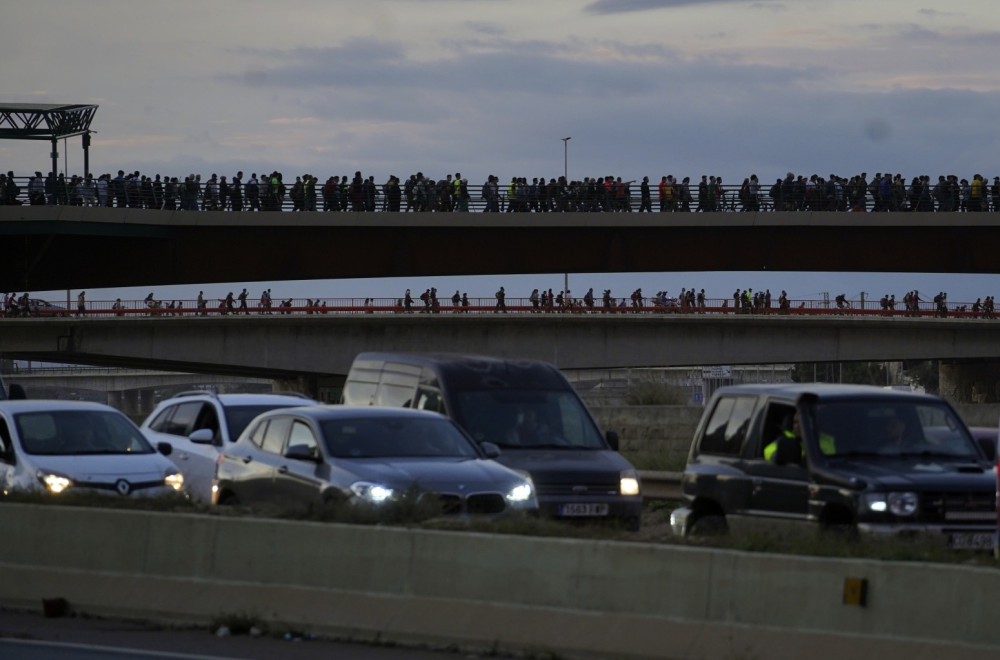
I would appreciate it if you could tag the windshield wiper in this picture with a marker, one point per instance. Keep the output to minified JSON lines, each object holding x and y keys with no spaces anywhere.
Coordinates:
{"x":932,"y":452}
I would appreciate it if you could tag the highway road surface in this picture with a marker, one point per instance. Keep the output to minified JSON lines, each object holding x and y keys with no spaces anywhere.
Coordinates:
{"x":30,"y":636}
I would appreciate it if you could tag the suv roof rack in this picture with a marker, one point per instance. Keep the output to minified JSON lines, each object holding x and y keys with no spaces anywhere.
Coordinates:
{"x":195,"y":393}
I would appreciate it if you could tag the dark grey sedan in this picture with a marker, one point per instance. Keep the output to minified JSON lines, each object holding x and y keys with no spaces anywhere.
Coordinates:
{"x":366,"y":455}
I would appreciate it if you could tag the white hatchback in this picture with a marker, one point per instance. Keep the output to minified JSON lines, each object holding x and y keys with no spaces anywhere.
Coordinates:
{"x":74,"y":446}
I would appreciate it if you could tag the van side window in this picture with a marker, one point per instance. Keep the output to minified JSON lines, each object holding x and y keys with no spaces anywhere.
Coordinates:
{"x":727,"y":427}
{"x":428,"y":399}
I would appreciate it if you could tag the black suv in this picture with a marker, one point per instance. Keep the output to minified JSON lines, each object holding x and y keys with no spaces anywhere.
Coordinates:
{"x":849,"y":457}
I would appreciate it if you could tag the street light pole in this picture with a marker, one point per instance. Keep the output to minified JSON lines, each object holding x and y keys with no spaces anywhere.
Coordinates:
{"x":565,"y":142}
{"x":566,"y":158}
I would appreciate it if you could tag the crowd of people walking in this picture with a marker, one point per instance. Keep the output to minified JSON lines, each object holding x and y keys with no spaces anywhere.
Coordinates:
{"x":883,"y":192}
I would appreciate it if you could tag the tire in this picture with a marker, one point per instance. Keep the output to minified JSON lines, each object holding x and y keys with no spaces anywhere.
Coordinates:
{"x":229,"y":500}
{"x":709,"y":525}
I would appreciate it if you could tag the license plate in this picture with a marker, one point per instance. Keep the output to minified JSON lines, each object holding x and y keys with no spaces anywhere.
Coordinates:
{"x":971,"y":540}
{"x":584,"y":510}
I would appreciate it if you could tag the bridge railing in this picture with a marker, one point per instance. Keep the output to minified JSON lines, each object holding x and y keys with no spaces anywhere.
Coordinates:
{"x":125,"y":309}
{"x":729,"y":199}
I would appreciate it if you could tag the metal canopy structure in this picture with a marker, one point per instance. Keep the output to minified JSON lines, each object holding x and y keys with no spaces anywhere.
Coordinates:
{"x":30,"y":121}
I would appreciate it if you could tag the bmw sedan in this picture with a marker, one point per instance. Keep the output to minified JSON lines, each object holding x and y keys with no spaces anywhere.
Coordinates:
{"x":323,"y":454}
{"x":74,"y":446}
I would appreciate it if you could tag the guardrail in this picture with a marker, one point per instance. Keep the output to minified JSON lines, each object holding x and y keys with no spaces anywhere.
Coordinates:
{"x":355,"y":306}
{"x":660,"y":485}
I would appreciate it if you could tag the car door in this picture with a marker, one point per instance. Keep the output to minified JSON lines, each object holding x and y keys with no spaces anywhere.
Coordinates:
{"x":778,"y":493}
{"x":196,"y":461}
{"x":297,"y":480}
{"x":256,"y":482}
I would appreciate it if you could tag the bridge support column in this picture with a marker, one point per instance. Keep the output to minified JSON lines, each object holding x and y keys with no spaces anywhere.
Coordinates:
{"x":127,"y":402}
{"x":145,"y":402}
{"x":970,"y":381}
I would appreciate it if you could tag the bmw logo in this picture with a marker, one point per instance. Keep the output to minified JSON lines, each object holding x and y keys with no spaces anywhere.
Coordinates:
{"x":123,"y":487}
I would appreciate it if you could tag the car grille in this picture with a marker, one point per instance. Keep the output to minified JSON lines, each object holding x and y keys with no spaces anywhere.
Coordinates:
{"x":476,"y":504}
{"x":959,"y":508}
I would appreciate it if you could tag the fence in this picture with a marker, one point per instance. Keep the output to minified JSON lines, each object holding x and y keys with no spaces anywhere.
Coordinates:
{"x":522,"y":306}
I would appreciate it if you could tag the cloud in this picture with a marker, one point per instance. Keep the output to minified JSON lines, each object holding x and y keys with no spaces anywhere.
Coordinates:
{"x":605,"y":7}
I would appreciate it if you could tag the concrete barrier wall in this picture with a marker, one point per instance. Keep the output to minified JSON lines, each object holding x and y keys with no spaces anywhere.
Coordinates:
{"x":574,"y":598}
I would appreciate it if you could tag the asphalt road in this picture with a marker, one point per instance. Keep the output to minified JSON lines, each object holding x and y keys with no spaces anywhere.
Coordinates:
{"x":30,"y":636}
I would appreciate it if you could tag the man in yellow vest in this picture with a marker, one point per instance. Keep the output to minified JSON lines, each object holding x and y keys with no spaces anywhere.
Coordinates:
{"x":827,"y":444}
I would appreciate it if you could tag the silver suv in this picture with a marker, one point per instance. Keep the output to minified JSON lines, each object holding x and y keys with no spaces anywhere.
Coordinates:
{"x":200,"y":425}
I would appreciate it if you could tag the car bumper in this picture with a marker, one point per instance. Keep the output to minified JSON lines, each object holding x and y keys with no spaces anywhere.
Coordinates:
{"x":976,"y":536}
{"x":679,"y":520}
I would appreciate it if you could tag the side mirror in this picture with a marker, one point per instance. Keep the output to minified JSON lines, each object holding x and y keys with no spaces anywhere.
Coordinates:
{"x":788,"y":451}
{"x":302,"y":453}
{"x":612,"y":438}
{"x":202,"y":437}
{"x":490,"y":449}
{"x":164,"y":448}
{"x":17,"y":392}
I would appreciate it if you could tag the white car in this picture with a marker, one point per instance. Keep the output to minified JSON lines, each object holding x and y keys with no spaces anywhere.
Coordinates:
{"x":74,"y":446}
{"x":200,"y":425}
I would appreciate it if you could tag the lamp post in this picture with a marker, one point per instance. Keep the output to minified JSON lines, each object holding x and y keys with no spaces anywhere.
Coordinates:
{"x":565,"y":142}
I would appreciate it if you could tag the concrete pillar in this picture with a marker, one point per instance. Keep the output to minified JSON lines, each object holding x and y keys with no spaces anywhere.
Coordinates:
{"x":129,"y":403}
{"x":146,"y":403}
{"x":970,"y":381}
{"x":115,"y":399}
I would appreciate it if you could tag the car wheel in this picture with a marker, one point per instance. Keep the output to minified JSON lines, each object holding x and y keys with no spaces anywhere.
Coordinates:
{"x":709,"y":525}
{"x":229,"y":499}
{"x":633,"y":524}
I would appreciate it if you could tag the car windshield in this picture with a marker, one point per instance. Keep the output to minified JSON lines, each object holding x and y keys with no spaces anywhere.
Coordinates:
{"x":76,"y":432}
{"x":239,"y":417}
{"x":395,"y":438}
{"x":892,"y":428}
{"x":552,"y":419}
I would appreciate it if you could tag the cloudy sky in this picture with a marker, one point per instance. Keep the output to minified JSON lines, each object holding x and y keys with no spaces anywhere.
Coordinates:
{"x":643,"y":87}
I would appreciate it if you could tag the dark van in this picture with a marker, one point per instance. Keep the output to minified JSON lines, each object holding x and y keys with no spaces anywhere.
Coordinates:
{"x":526,"y":408}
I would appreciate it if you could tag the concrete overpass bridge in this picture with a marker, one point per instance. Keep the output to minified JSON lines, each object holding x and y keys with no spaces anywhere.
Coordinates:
{"x":72,"y":247}
{"x":313,"y":351}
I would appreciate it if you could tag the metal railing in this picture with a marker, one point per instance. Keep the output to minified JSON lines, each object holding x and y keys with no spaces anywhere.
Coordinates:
{"x":553,"y":198}
{"x":478,"y":306}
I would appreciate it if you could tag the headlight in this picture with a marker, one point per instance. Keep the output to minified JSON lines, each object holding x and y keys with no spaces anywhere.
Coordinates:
{"x":629,"y":482}
{"x":521,"y":492}
{"x":903,"y":504}
{"x":54,"y":483}
{"x":175,"y":480}
{"x":374,"y":493}
{"x":898,"y":504}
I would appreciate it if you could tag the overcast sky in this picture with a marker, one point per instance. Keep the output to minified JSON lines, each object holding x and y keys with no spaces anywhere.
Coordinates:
{"x":643,"y":87}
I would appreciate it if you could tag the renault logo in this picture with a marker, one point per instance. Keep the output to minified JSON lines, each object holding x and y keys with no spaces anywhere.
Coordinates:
{"x":123,"y":487}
